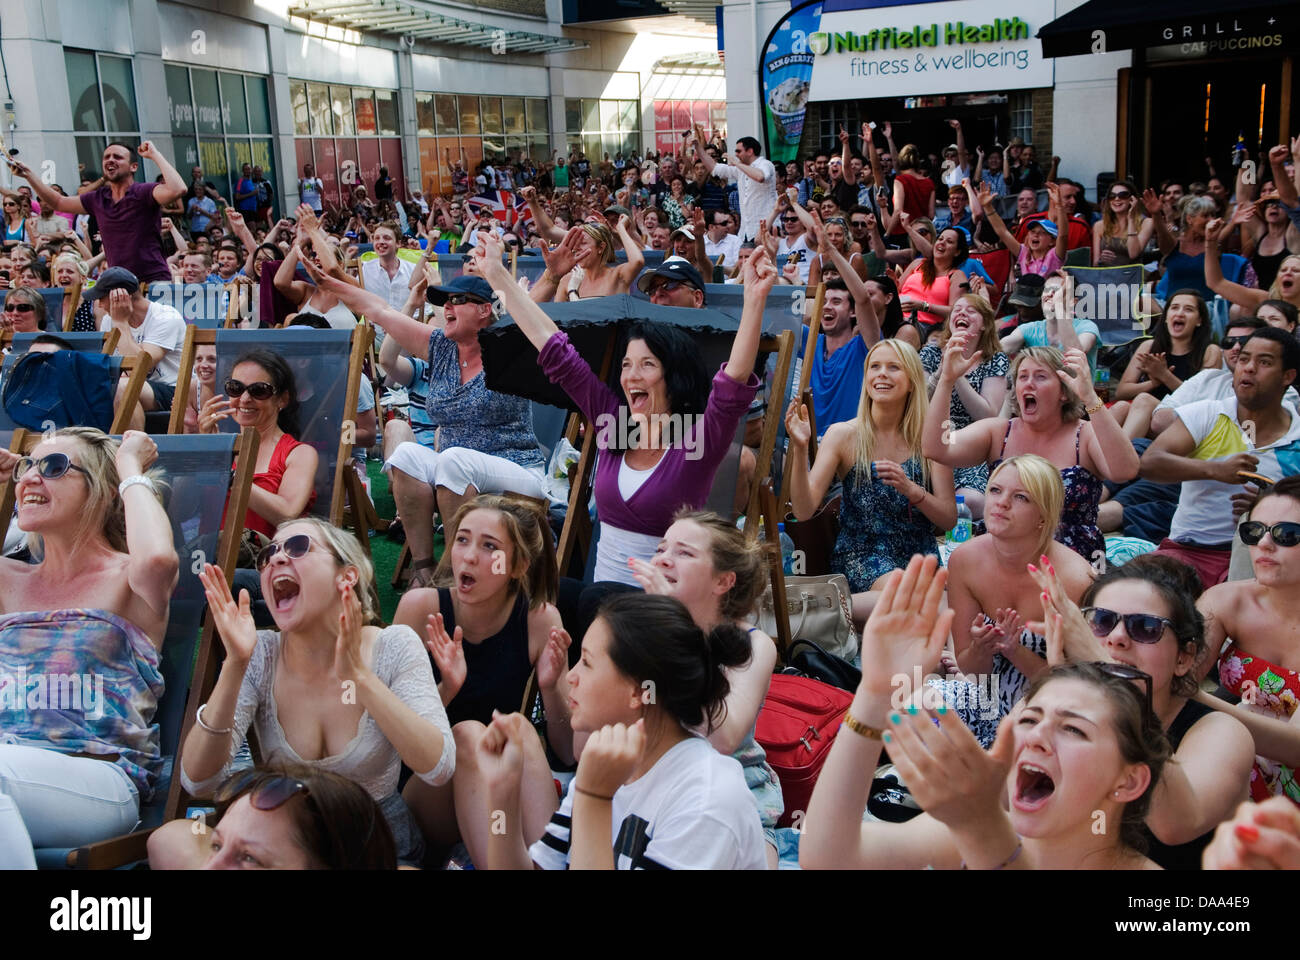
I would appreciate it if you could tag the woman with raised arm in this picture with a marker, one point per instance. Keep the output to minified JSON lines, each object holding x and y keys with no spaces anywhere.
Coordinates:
{"x":1122,"y":233}
{"x":651,"y":793}
{"x":94,"y":610}
{"x":1251,"y":627}
{"x":1286,"y":285}
{"x":1052,"y":393}
{"x":979,"y":393}
{"x":1268,"y":232}
{"x":313,"y":248}
{"x":583,"y":265}
{"x":893,"y":497}
{"x":719,"y":574}
{"x":1143,"y":614}
{"x":329,"y":687}
{"x":685,"y":429}
{"x":932,"y":285}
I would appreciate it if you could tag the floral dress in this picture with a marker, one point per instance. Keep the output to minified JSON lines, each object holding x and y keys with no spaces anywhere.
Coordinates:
{"x":1272,"y":691}
{"x":976,"y":477}
{"x":879,"y":529}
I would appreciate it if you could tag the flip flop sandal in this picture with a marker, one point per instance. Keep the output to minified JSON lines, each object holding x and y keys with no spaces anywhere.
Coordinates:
{"x":421,"y":574}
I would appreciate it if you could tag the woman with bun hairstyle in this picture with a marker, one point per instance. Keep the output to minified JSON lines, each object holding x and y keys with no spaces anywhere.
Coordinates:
{"x":649,"y":793}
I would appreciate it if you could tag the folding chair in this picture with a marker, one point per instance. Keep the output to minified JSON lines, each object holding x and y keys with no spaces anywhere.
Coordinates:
{"x":205,"y":305}
{"x":1110,"y":297}
{"x":327,"y":373}
{"x":200,"y":480}
{"x":71,"y":303}
{"x":88,"y":342}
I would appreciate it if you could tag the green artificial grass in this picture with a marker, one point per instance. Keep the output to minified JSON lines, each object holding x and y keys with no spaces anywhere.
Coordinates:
{"x":384,"y":552}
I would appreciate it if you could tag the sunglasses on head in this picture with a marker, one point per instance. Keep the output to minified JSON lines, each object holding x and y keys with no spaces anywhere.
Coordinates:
{"x":1141,"y":627}
{"x":269,"y":791}
{"x":258,"y":391}
{"x":1285,"y":534}
{"x":1122,"y":671}
{"x":295,"y":548}
{"x":51,"y":466}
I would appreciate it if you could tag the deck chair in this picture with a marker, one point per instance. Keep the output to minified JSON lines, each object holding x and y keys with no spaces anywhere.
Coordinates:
{"x":100,"y":343}
{"x":71,"y":303}
{"x":1109,"y":297}
{"x":205,"y":305}
{"x":327,"y":371}
{"x":198,"y":472}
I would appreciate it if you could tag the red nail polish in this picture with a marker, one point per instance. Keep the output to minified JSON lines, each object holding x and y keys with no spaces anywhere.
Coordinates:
{"x":1246,"y":832}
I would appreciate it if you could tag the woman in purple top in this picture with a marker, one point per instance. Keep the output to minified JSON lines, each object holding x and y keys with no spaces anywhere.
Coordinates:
{"x":670,"y":461}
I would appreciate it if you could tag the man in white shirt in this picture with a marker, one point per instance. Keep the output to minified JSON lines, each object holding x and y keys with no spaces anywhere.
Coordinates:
{"x":754,"y":176}
{"x":718,"y":242}
{"x":795,"y":239}
{"x":154,"y":332}
{"x":389,"y":276}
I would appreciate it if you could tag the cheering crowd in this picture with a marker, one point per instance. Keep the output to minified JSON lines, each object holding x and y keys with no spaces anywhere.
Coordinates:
{"x":1102,"y":534}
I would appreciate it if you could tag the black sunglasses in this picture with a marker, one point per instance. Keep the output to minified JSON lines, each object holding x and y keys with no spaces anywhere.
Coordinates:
{"x":51,"y":466}
{"x":1285,"y":534}
{"x":1141,"y":627}
{"x":258,"y":391}
{"x":19,"y":307}
{"x":295,"y":548}
{"x":1120,"y":194}
{"x":456,"y":299}
{"x":1230,"y":342}
{"x":1122,"y":671}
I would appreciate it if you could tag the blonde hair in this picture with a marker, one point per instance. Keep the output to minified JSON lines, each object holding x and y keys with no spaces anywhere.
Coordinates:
{"x":1053,"y":359}
{"x":73,"y":258}
{"x":347,"y":552}
{"x":1275,"y":291}
{"x":1042,"y":481}
{"x":528,"y":529}
{"x":731,"y":551}
{"x":908,"y":157}
{"x":603,"y":236}
{"x":918,"y":401}
{"x":989,"y":343}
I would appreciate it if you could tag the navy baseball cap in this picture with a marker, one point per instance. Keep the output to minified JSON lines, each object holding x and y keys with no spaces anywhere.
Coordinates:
{"x":114,"y":278}
{"x":476,"y":287}
{"x":673,"y":268}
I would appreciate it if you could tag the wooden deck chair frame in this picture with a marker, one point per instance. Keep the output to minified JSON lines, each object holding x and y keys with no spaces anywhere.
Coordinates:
{"x":776,"y":573}
{"x":195,"y":337}
{"x":130,"y":848}
{"x":805,"y":375}
{"x":110,"y":339}
{"x":71,"y":301}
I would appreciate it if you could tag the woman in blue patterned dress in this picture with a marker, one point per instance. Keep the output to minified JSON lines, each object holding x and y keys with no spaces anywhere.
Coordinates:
{"x":980,"y":392}
{"x":894,"y":499}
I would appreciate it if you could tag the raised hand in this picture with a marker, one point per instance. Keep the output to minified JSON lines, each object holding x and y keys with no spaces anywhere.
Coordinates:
{"x":955,"y":124}
{"x":985,"y":197}
{"x":610,"y":757}
{"x":136,"y":453}
{"x":553,"y":664}
{"x":759,"y":273}
{"x":146,"y":149}
{"x":1262,"y":836}
{"x":448,"y":654}
{"x":235,"y":218}
{"x":650,"y":577}
{"x":564,"y":257}
{"x":906,"y":628}
{"x":1068,"y":635}
{"x":1077,"y":375}
{"x":348,"y":661}
{"x":501,"y":753}
{"x":955,"y":362}
{"x":234,"y":621}
{"x":798,"y":426}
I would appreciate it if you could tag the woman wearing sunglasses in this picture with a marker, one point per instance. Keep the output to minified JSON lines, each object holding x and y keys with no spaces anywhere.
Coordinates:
{"x":329,"y":687}
{"x":1251,"y":623}
{"x":95,"y":608}
{"x":24,"y":311}
{"x":260,"y":393}
{"x":1143,"y":614}
{"x":284,"y":817}
{"x":1083,"y":747}
{"x":1122,"y":233}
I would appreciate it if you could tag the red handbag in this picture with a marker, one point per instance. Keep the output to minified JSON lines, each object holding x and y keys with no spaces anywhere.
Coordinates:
{"x":796,"y":726}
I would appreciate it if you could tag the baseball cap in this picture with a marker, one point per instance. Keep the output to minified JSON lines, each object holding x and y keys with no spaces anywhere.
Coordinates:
{"x":1028,"y":292}
{"x":685,"y":231}
{"x":673,"y":268}
{"x":114,"y":278}
{"x":619,"y":209}
{"x":1048,"y":225}
{"x":473,"y":286}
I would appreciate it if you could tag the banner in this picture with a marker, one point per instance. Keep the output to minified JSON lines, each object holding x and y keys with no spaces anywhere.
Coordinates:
{"x":785,"y":80}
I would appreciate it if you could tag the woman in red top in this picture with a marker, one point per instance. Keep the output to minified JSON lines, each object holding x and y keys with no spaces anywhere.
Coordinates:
{"x":260,"y":393}
{"x":913,"y":193}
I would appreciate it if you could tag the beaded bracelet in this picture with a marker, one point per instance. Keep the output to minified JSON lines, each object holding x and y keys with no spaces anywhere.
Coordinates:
{"x":1020,"y":845}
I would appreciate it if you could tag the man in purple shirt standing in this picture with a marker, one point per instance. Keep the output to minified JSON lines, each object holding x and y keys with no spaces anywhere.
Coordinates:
{"x":128,"y":213}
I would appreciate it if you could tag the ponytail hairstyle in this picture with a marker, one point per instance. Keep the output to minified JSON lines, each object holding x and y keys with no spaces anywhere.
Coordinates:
{"x":654,"y":642}
{"x":733,"y":552}
{"x":528,"y":529}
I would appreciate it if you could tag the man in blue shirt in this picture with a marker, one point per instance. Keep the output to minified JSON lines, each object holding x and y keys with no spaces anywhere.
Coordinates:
{"x":956,"y":213}
{"x":849,"y":329}
{"x":246,"y":193}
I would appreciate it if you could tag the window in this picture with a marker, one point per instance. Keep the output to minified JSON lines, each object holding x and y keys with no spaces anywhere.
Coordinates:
{"x":836,"y":115}
{"x":341,"y":106}
{"x":444,"y":107}
{"x":386,"y":112}
{"x":597,"y":127}
{"x":101,"y":89}
{"x":1022,"y":115}
{"x":363,"y":105}
{"x":298,"y":102}
{"x":424,"y":113}
{"x":318,"y":103}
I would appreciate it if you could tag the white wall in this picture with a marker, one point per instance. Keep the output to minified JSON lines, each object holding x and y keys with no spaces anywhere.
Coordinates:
{"x":739,"y":27}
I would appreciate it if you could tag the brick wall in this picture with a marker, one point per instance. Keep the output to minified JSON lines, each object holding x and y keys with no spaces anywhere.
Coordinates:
{"x":1041,"y":99}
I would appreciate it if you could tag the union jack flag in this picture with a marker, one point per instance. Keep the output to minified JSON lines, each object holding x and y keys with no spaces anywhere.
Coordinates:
{"x":500,"y":203}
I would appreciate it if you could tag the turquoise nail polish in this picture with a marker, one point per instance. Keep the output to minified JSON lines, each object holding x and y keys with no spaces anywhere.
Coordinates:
{"x":943,"y":708}
{"x":888,"y":738}
{"x":912,"y":710}
{"x":895,"y":718}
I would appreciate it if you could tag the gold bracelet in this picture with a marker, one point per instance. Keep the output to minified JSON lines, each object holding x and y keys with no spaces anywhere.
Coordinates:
{"x":860,"y":728}
{"x":1095,"y":407}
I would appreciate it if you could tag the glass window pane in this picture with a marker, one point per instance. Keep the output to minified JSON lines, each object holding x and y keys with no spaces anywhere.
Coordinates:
{"x":119,"y":93}
{"x":609,"y":115}
{"x":493,"y":148}
{"x":234,"y":109}
{"x":540,"y":148}
{"x":537,"y":116}
{"x":513,"y":108}
{"x":207,"y":102}
{"x":629,"y":115}
{"x":180,"y":110}
{"x":264,"y":157}
{"x":631,"y":144}
{"x":444,"y":108}
{"x":424,"y":113}
{"x":573,"y":116}
{"x":591,"y":146}
{"x":298,"y":99}
{"x":491,"y":114}
{"x":318,"y":103}
{"x":341,"y":106}
{"x":386,"y":112}
{"x":363,"y":105}
{"x":185,"y":154}
{"x":590,"y":116}
{"x":90,"y":155}
{"x":83,"y":93}
{"x":259,"y":108}
{"x":216,"y":168}
{"x":240,"y":154}
{"x":469,"y":117}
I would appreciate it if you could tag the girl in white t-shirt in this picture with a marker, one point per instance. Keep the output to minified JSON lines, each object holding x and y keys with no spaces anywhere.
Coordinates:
{"x":648,"y":794}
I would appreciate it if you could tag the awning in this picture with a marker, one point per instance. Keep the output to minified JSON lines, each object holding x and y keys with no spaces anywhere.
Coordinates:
{"x":409,"y":18}
{"x":1105,"y":25}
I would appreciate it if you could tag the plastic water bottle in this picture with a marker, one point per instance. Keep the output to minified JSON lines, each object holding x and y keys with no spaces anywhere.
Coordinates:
{"x":787,"y":550}
{"x":965,"y":525}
